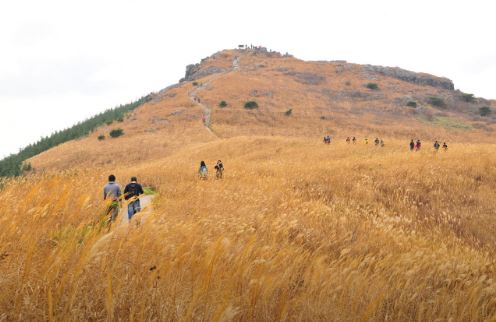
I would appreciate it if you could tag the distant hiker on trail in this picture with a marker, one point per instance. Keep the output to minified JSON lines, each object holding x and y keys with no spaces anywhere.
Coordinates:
{"x":366,"y":141}
{"x":376,"y":141}
{"x":382,"y":143}
{"x":327,"y":139}
{"x":203,"y":171}
{"x":219,"y":169}
{"x":112,"y":192}
{"x":437,"y":145}
{"x":348,"y":140}
{"x":132,"y":192}
{"x":445,"y":146}
{"x":418,"y":145}
{"x":354,"y":140}
{"x":412,"y":145}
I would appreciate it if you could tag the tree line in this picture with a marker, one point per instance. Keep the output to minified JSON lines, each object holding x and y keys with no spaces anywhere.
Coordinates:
{"x":15,"y":165}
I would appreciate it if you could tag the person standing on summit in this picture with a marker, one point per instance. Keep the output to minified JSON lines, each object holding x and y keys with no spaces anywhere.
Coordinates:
{"x":132,"y":192}
{"x":112,"y":192}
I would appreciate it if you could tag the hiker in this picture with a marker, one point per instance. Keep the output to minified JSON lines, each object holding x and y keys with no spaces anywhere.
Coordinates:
{"x":354,"y":140}
{"x":412,"y":145}
{"x":382,"y":143}
{"x":219,"y":169}
{"x":436,"y":145}
{"x":366,"y":141}
{"x":376,"y":141}
{"x":112,"y":192}
{"x":132,"y":192}
{"x":348,"y":140}
{"x":445,"y":146}
{"x":203,"y":171}
{"x":418,"y":145}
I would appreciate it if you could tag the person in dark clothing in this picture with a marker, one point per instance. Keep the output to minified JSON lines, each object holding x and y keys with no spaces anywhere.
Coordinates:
{"x":353,"y":140}
{"x":412,"y":145}
{"x":112,"y":192}
{"x":437,"y":145}
{"x":376,"y":141}
{"x":132,"y":192}
{"x":219,"y":169}
{"x":445,"y":146}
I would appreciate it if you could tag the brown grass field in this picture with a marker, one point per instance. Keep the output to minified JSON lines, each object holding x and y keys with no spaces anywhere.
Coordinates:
{"x":296,"y":231}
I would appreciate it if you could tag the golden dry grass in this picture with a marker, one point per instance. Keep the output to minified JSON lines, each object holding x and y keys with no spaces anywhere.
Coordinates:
{"x":295,"y":231}
{"x":340,"y":103}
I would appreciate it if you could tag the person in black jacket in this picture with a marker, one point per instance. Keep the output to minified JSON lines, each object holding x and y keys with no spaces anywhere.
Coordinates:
{"x":132,"y":192}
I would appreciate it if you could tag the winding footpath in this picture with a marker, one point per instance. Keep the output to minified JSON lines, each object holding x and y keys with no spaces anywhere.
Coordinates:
{"x":207,"y":111}
{"x":122,"y":225}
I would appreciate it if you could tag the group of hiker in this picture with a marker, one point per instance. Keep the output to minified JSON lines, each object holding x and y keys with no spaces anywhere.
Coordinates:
{"x":414,"y":145}
{"x":203,"y":170}
{"x":112,"y":193}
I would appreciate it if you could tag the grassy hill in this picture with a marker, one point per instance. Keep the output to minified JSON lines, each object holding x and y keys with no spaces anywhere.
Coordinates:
{"x":296,"y":230}
{"x":324,"y":97}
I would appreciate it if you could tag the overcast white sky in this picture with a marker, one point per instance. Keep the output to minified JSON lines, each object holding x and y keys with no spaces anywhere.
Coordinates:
{"x":63,"y":61}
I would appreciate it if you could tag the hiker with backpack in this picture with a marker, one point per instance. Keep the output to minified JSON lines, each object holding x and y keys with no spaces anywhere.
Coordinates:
{"x":412,"y":145}
{"x":112,"y":193}
{"x":219,"y":169}
{"x":203,"y":171}
{"x":131,"y":193}
{"x":445,"y":146}
{"x":376,"y":141}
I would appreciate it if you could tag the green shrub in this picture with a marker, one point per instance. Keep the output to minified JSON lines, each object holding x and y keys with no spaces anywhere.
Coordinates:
{"x":288,"y":112}
{"x":195,"y":83}
{"x":101,"y":137}
{"x":116,"y":133}
{"x":411,"y":104}
{"x":26,"y":167}
{"x":436,"y":101}
{"x":120,"y":119}
{"x":222,"y":104}
{"x":250,"y":105}
{"x":372,"y":86}
{"x":485,"y":111}
{"x":468,"y":97}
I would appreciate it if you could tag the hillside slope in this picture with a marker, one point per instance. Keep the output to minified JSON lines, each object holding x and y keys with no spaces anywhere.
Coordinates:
{"x":296,"y":231}
{"x":294,"y":97}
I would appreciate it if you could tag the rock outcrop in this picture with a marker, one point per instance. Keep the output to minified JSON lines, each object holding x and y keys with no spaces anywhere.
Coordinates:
{"x":411,"y":77}
{"x":194,"y":72}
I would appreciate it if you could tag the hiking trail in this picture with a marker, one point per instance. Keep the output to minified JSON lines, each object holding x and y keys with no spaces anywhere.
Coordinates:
{"x":122,"y":224}
{"x":207,"y":111}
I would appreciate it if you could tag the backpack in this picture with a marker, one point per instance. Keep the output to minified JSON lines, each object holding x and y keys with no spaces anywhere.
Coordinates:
{"x":132,"y":191}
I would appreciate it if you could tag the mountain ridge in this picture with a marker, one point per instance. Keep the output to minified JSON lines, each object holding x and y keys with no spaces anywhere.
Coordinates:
{"x":322,"y":97}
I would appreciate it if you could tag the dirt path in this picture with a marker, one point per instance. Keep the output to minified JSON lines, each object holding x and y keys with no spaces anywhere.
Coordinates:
{"x":121,"y":225}
{"x":207,"y":111}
